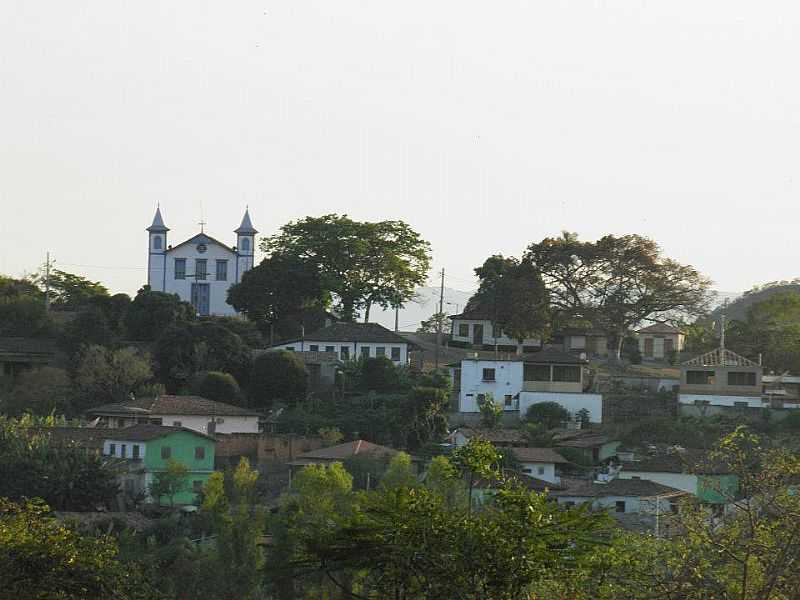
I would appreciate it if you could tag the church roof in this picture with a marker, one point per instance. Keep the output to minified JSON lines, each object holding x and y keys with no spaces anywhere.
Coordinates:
{"x":203,"y":238}
{"x":246,"y":226}
{"x":158,"y":223}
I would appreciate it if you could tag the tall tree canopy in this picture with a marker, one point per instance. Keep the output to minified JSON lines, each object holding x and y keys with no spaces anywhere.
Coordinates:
{"x":69,"y":291}
{"x":151,"y":313}
{"x":362,"y":263}
{"x":22,"y":310}
{"x":617,"y":283}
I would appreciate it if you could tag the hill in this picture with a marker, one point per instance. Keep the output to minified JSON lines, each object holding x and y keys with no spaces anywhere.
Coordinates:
{"x":736,"y":308}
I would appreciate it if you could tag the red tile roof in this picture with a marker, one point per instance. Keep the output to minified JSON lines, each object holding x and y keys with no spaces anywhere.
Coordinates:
{"x":538,"y":455}
{"x":346,"y":450}
{"x":173,"y":405}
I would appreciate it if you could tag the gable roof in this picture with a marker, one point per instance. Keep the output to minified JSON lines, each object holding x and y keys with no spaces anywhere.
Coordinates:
{"x":472,"y":315}
{"x":540,"y":455}
{"x":687,"y":461}
{"x":659,"y":328}
{"x":203,"y":238}
{"x":496,"y":436}
{"x":581,"y":438}
{"x":353,"y":332}
{"x":344,"y":451}
{"x":721,"y":357}
{"x":173,"y":405}
{"x":584,"y":488}
{"x":146,"y":432}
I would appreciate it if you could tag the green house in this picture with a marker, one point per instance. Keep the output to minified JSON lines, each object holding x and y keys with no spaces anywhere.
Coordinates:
{"x":148,"y":449}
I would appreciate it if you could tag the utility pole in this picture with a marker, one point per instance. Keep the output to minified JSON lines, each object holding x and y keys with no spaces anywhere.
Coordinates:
{"x":397,"y":318}
{"x":47,"y":283}
{"x":439,"y":320}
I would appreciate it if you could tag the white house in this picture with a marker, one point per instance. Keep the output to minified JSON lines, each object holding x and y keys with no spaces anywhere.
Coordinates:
{"x":351,"y":341}
{"x":201,"y":269}
{"x":192,"y":412}
{"x":539,"y":462}
{"x":619,"y":496}
{"x":476,"y":328}
{"x":519,"y":381}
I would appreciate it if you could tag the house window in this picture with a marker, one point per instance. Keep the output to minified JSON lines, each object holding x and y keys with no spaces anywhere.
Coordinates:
{"x":741,"y":378}
{"x":344,"y":352}
{"x":112,"y":449}
{"x":740,"y":404}
{"x":200,"y":269}
{"x":509,"y":400}
{"x":197,"y":486}
{"x":199,"y":453}
{"x":166,"y":452}
{"x":135,"y":451}
{"x":157,"y":242}
{"x":330,"y":348}
{"x":313,"y":348}
{"x":177,"y":424}
{"x":536,"y":372}
{"x":700,"y":377}
{"x":364,"y":351}
{"x":222,"y":270}
{"x":180,"y":268}
{"x":395,"y":353}
{"x":488,"y":375}
{"x":619,"y":506}
{"x":463,"y":330}
{"x":245,"y":244}
{"x":540,"y":470}
{"x":380,"y":351}
{"x":123,"y":450}
{"x":570,"y":374}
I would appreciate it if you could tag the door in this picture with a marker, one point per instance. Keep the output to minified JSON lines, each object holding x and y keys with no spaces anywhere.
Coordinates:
{"x":669,"y":346}
{"x":201,"y":298}
{"x":477,"y":335}
{"x":648,"y":347}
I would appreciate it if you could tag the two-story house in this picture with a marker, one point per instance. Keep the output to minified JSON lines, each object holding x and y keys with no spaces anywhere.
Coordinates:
{"x":477,"y":329}
{"x":660,"y":341}
{"x":719,"y":381}
{"x":146,"y":451}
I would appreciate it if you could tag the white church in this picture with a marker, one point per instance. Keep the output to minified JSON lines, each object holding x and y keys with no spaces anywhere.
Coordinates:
{"x":201,"y":269}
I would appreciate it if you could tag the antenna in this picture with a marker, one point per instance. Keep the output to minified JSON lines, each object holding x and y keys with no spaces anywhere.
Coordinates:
{"x":202,"y":222}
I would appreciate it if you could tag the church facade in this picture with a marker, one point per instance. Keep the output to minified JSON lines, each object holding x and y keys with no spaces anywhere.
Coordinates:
{"x":201,"y":269}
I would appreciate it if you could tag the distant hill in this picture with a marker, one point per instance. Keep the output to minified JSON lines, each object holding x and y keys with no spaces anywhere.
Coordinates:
{"x":425,"y":305}
{"x":737,"y":306}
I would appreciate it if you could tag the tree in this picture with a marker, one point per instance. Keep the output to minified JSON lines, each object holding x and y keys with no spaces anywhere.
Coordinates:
{"x":361,"y":263}
{"x":42,"y":558}
{"x":617,"y":283}
{"x":444,"y":480}
{"x":439,"y":321}
{"x":90,"y":327}
{"x":69,"y":291}
{"x":104,"y":376}
{"x":330,"y":436}
{"x":549,"y":414}
{"x":399,"y":473}
{"x":491,"y":412}
{"x":151,"y":313}
{"x":478,"y":459}
{"x":278,"y":376}
{"x":378,"y":374}
{"x":171,"y":482}
{"x":41,"y":391}
{"x":214,"y":385}
{"x":22,"y":310}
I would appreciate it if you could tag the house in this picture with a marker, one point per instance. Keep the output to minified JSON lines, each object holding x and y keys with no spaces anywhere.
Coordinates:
{"x":517,"y":382}
{"x":477,"y":329}
{"x":591,"y":446}
{"x":341,"y":452}
{"x":618,"y":496}
{"x":687,"y":470}
{"x":201,"y":269}
{"x":19,"y":354}
{"x":351,"y":341}
{"x":539,"y":462}
{"x":576,"y":340}
{"x":146,"y":451}
{"x":502,"y":438}
{"x":660,"y":341}
{"x":261,"y":448}
{"x":720,"y":381}
{"x":193,"y":412}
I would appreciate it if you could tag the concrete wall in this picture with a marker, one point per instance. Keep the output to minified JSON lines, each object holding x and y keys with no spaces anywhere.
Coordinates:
{"x":508,"y":381}
{"x":720,"y":386}
{"x":720,"y":400}
{"x":679,"y":481}
{"x":243,"y":424}
{"x":572,"y":402}
{"x":354,"y":349}
{"x":543,"y":471}
{"x":488,"y":334}
{"x":658,"y":344}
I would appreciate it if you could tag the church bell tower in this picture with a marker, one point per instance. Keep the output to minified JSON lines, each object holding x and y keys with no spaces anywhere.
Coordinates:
{"x":245,"y":245}
{"x":157,"y":253}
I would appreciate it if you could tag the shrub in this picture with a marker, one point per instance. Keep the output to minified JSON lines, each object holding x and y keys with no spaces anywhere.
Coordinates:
{"x":218,"y":386}
{"x":278,"y":376}
{"x":549,"y":414}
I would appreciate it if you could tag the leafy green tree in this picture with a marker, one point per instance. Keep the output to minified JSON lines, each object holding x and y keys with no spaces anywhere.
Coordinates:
{"x":443,"y":479}
{"x":41,"y":391}
{"x":214,"y":385}
{"x":41,"y":558}
{"x":151,"y":313}
{"x":491,"y":412}
{"x":478,"y":459}
{"x":400,"y":473}
{"x":90,"y":327}
{"x":104,"y":376}
{"x":617,"y":282}
{"x":246,"y":329}
{"x":549,"y":414}
{"x":378,"y":374}
{"x":277,"y":376}
{"x":69,"y":291}
{"x":361,"y":263}
{"x":171,"y":482}
{"x":439,"y":321}
{"x":22,"y":310}
{"x":330,"y":435}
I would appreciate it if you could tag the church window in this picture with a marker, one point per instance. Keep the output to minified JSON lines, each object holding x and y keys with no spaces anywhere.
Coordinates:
{"x":200,"y":269}
{"x":180,"y":268}
{"x":157,"y":242}
{"x":245,"y":244}
{"x":222,"y":270}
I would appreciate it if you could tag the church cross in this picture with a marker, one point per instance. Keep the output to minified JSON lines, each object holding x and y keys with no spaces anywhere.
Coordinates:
{"x":202,"y":224}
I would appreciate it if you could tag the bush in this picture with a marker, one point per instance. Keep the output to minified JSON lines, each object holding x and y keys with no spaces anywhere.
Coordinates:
{"x":277,"y":376}
{"x":549,"y":414}
{"x":379,"y":374}
{"x":218,"y":386}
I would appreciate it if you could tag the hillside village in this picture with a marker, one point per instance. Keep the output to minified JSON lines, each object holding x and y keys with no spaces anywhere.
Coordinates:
{"x":203,"y":419}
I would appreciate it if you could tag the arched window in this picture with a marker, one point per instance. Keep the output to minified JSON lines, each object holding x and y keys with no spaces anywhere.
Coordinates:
{"x":245,"y":244}
{"x":157,"y":242}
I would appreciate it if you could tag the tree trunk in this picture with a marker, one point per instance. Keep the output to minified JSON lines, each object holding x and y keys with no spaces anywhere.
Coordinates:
{"x":618,"y":351}
{"x":366,"y":311}
{"x":348,"y":310}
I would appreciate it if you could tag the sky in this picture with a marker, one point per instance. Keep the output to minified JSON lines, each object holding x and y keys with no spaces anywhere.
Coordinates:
{"x":484,"y":125}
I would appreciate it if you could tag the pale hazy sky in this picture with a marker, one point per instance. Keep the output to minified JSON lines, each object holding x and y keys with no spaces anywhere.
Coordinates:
{"x":485,"y":125}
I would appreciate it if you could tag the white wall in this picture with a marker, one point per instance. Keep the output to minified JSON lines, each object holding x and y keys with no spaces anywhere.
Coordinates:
{"x":632,"y":503}
{"x":218,"y":290}
{"x":714,"y":400}
{"x":488,"y":334}
{"x":679,"y":481}
{"x":354,"y":348}
{"x":225,"y":424}
{"x":118,"y":448}
{"x":572,"y":402}
{"x":548,"y":471}
{"x":508,"y":381}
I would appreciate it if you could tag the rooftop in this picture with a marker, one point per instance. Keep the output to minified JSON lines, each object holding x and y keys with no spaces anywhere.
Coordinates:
{"x":146,"y":432}
{"x":496,"y":436}
{"x":721,"y":357}
{"x":344,"y":451}
{"x":541,"y":455}
{"x":173,"y":405}
{"x":584,"y":488}
{"x":546,"y":356}
{"x":353,"y":332}
{"x":686,"y":461}
{"x":581,"y":438}
{"x":659,"y":328}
